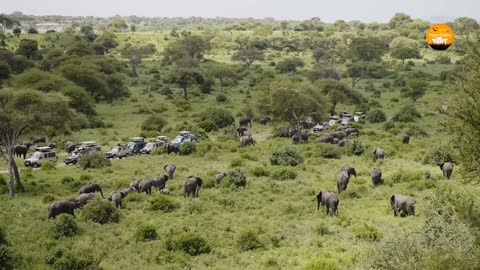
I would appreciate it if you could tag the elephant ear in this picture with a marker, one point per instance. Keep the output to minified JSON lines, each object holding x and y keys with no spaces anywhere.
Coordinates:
{"x":441,"y":166}
{"x":374,"y":151}
{"x":319,"y":196}
{"x":392,"y":199}
{"x":165,"y":167}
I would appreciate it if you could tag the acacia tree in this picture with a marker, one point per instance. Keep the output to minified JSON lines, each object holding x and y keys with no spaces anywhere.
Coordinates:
{"x":186,"y":77}
{"x":24,"y":111}
{"x":337,"y":92}
{"x":363,"y":70}
{"x":221,"y":72}
{"x":248,"y":56}
{"x":403,"y":48}
{"x":136,"y":53}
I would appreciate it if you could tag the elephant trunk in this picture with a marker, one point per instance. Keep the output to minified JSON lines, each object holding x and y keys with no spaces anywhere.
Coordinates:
{"x":101,"y":193}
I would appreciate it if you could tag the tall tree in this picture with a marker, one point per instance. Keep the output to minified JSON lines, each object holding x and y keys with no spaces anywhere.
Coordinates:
{"x":363,"y":70}
{"x":403,"y":48}
{"x":136,"y":53}
{"x":337,"y":92}
{"x":221,"y":72}
{"x":23,"y":111}
{"x":248,"y":56}
{"x":186,"y":77}
{"x":27,"y":48}
{"x":367,"y":49}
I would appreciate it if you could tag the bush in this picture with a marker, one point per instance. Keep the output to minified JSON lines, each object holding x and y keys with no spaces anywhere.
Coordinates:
{"x":154,"y":123}
{"x":47,"y":198}
{"x":286,"y":157}
{"x":48,"y":166}
{"x":220,"y":117}
{"x":438,"y":154}
{"x":6,"y":258}
{"x":443,"y":59}
{"x":188,"y":148}
{"x":158,"y":151}
{"x":368,"y":232}
{"x":65,"y":259}
{"x":236,"y":162}
{"x":260,"y":171}
{"x":94,"y":161}
{"x":237,"y":177}
{"x":376,"y":116}
{"x":163,"y":203}
{"x":321,"y":264}
{"x":100,"y":211}
{"x":146,"y":232}
{"x":416,"y":131}
{"x":329,"y":151}
{"x":248,"y":240}
{"x":208,"y":126}
{"x":221,"y":98}
{"x":166,"y":91}
{"x":190,"y":243}
{"x":64,"y":226}
{"x":283,"y":174}
{"x":3,"y":237}
{"x":388,"y":125}
{"x":407,"y":114}
{"x":355,"y":148}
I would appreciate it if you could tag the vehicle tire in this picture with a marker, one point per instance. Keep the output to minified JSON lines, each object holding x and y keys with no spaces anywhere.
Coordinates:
{"x":35,"y":165}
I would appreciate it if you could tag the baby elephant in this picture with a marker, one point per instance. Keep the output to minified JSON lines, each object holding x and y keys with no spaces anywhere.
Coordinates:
{"x":84,"y":198}
{"x":219,"y":177}
{"x":447,"y":168}
{"x":165,"y":191}
{"x":403,"y":203}
{"x":146,"y":186}
{"x":192,"y":185}
{"x":170,"y":169}
{"x":135,"y":185}
{"x":378,"y":153}
{"x":329,"y":199}
{"x":91,"y":188}
{"x":376,"y":176}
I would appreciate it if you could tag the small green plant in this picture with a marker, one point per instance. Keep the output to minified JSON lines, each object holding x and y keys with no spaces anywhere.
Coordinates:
{"x":220,"y":117}
{"x":329,"y":151}
{"x":283,"y":174}
{"x":376,"y":116}
{"x":286,"y":157}
{"x":248,"y":240}
{"x":163,"y":203}
{"x":438,"y":155}
{"x":47,"y":198}
{"x":388,"y":125}
{"x":94,"y":161}
{"x":355,"y":148}
{"x":3,"y":237}
{"x":190,"y":243}
{"x":64,"y":226}
{"x":368,"y":232}
{"x":158,"y":151}
{"x":61,"y":258}
{"x":6,"y":258}
{"x":146,"y":232}
{"x":100,"y":211}
{"x":237,"y":177}
{"x":48,"y":166}
{"x":237,"y":162}
{"x":321,"y":264}
{"x":221,"y":98}
{"x":407,"y":114}
{"x":188,"y":148}
{"x":260,"y":171}
{"x":154,"y":123}
{"x":208,"y":125}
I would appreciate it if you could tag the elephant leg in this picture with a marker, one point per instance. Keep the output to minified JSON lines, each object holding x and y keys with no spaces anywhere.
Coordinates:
{"x":328,"y":209}
{"x":395,"y":212}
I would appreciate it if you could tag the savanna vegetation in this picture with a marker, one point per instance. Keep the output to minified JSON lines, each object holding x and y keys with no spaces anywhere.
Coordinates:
{"x":110,"y":79}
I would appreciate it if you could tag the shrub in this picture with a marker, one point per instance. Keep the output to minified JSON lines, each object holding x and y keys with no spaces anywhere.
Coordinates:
{"x":182,"y":104}
{"x":260,"y":171}
{"x":329,"y":151}
{"x":163,"y":203}
{"x":388,"y":125}
{"x":416,"y":131}
{"x":286,"y":157}
{"x":376,"y":116}
{"x":283,"y":174}
{"x":407,"y":114}
{"x":158,"y":151}
{"x":221,"y":98}
{"x":321,"y":264}
{"x":368,"y":232}
{"x":355,"y":148}
{"x":48,"y":198}
{"x":236,"y":162}
{"x":6,"y":258}
{"x":208,"y":126}
{"x":191,"y":243}
{"x":64,"y":259}
{"x":48,"y":166}
{"x":166,"y":91}
{"x":443,"y":59}
{"x":220,"y":117}
{"x":248,"y":240}
{"x":94,"y":161}
{"x":438,"y":154}
{"x":188,"y":148}
{"x":3,"y":237}
{"x":146,"y":232}
{"x":100,"y":211}
{"x":154,"y":123}
{"x":64,"y":226}
{"x":237,"y":177}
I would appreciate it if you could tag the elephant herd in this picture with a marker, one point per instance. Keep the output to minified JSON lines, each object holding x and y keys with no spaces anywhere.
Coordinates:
{"x":399,"y":203}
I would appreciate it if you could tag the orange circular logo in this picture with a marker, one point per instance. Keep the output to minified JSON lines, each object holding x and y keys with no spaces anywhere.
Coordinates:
{"x":439,"y":37}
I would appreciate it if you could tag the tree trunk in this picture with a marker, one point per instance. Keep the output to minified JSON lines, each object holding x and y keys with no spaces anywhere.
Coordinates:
{"x":332,"y":108}
{"x":221,"y":84}
{"x":11,"y":182}
{"x":134,"y":70}
{"x":185,"y":93}
{"x":17,"y":177}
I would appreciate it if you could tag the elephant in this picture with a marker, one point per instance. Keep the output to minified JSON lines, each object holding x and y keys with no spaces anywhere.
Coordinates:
{"x":146,"y":186}
{"x":378,"y":153}
{"x":84,"y":198}
{"x":351,"y":131}
{"x":170,"y":169}
{"x":28,"y":144}
{"x":160,"y":181}
{"x":354,"y":134}
{"x":304,"y":136}
{"x":447,"y":168}
{"x":91,"y":188}
{"x":376,"y":176}
{"x":246,"y":140}
{"x":265,"y":120}
{"x":66,"y":206}
{"x":21,"y":150}
{"x":342,"y":143}
{"x":403,"y":203}
{"x":326,"y":138}
{"x":135,"y":185}
{"x":283,"y":132}
{"x":165,"y":191}
{"x":241,"y":131}
{"x":192,"y":185}
{"x":338,"y":134}
{"x":329,"y":199}
{"x":245,"y":121}
{"x":293,"y":131}
{"x":343,"y":177}
{"x":117,"y":196}
{"x":39,"y":140}
{"x":296,"y":138}
{"x":336,"y":141}
{"x":219,"y":177}
{"x":172,"y":148}
{"x":406,"y":139}
{"x":70,"y":146}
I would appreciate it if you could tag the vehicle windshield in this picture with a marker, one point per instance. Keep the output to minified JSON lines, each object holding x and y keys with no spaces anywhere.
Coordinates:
{"x":149,"y":146}
{"x":116,"y":149}
{"x":131,"y":145}
{"x":178,"y":139}
{"x":36,"y":155}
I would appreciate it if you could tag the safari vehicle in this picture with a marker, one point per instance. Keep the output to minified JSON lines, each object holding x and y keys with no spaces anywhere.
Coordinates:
{"x":75,"y":156}
{"x":91,"y":145}
{"x":184,"y":136}
{"x":136,"y":144}
{"x":119,"y":151}
{"x":41,"y":155}
{"x":163,"y":139}
{"x":150,"y":146}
